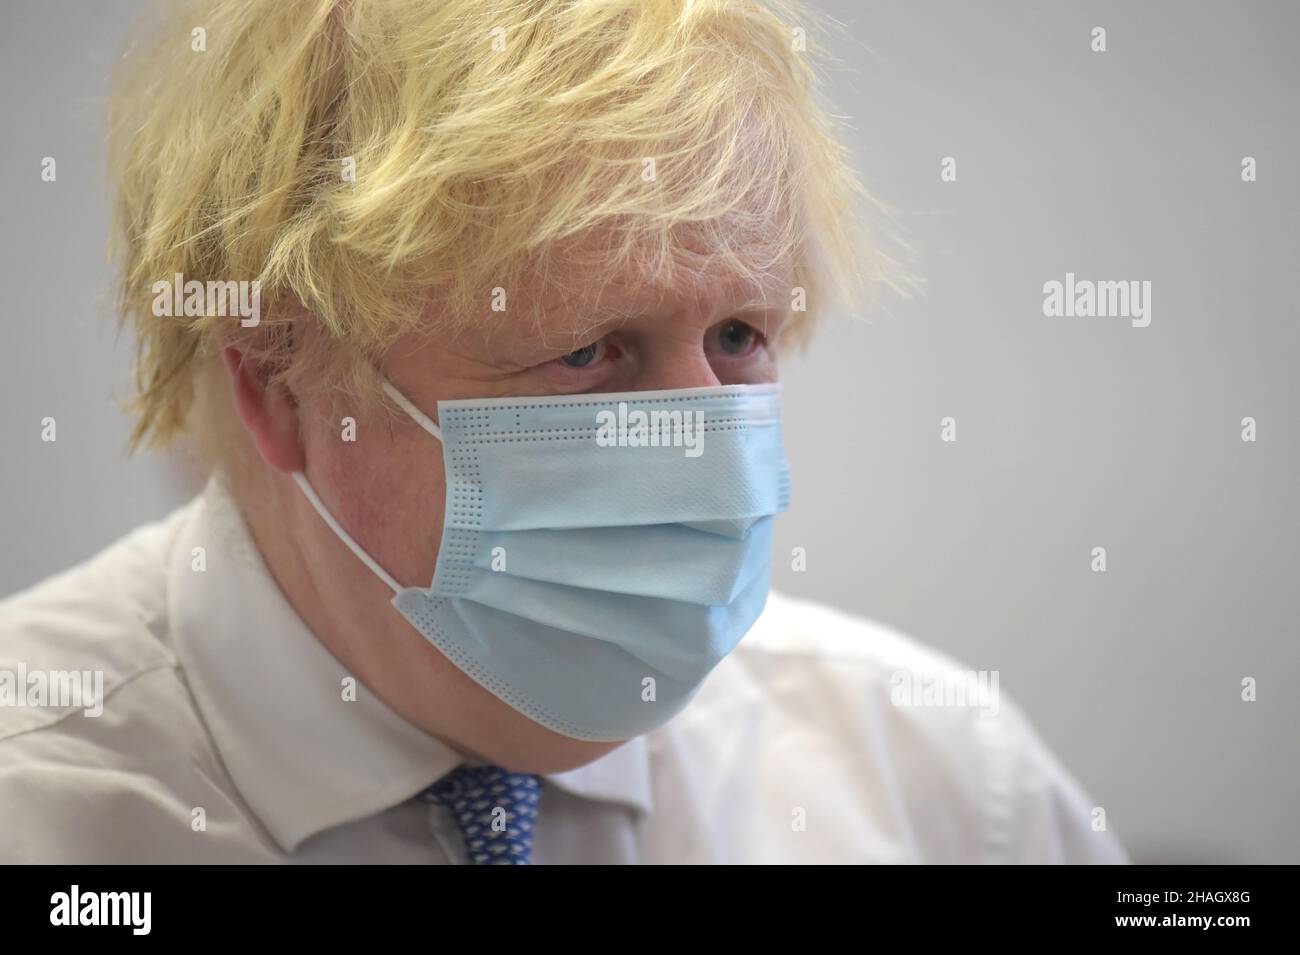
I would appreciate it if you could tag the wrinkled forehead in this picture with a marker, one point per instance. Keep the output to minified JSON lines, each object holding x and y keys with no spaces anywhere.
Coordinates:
{"x":575,"y":284}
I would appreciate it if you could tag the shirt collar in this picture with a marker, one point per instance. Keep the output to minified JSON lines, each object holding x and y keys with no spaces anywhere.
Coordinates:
{"x":271,"y":694}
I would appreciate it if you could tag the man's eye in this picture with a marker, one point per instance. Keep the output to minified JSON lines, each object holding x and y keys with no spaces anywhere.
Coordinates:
{"x":582,"y":357}
{"x":736,"y":338}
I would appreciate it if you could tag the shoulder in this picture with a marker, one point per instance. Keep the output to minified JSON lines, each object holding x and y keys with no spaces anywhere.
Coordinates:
{"x":105,"y":616}
{"x":792,"y":626}
{"x":944,"y":745}
{"x":99,"y":739}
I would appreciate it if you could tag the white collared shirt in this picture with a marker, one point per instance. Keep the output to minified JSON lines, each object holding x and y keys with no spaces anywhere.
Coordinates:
{"x":224,"y":737}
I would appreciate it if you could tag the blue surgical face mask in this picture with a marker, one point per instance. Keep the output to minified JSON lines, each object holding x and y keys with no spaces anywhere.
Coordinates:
{"x":600,"y":553}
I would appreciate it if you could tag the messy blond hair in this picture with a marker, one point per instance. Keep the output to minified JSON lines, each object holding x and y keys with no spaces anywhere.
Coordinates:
{"x":480,"y":131}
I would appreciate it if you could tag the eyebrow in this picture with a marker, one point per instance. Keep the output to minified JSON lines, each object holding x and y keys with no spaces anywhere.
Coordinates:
{"x":596,"y":323}
{"x":770,"y":313}
{"x":603,"y":320}
{"x":582,"y":325}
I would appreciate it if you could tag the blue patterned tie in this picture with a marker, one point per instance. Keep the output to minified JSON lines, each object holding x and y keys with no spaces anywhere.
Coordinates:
{"x":494,"y":808}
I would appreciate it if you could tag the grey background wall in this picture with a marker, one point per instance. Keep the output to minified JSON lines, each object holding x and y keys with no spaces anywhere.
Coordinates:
{"x":1072,"y":433}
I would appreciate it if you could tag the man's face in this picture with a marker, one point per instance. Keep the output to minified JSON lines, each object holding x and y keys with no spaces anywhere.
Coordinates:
{"x":567,"y":332}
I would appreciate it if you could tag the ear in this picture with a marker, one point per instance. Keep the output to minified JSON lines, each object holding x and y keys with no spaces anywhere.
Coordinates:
{"x":269,"y":411}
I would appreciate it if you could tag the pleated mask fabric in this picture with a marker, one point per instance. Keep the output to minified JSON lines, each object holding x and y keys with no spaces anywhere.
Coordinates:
{"x":600,"y":553}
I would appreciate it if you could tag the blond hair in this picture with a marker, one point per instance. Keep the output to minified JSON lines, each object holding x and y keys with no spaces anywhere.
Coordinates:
{"x":480,"y":131}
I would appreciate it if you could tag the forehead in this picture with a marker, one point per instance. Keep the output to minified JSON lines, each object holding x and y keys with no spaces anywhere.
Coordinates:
{"x":581,"y":282}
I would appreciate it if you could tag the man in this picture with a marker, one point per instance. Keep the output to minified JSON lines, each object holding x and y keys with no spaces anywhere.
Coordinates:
{"x":475,"y":310}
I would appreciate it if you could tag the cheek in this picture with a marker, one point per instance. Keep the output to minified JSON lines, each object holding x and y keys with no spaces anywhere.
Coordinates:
{"x":387,"y":489}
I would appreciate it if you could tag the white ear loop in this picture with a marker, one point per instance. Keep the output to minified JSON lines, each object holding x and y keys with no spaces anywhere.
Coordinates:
{"x":425,"y":422}
{"x":422,"y":419}
{"x":343,"y":535}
